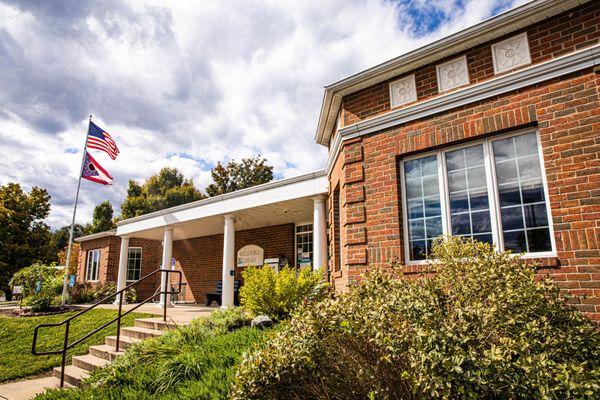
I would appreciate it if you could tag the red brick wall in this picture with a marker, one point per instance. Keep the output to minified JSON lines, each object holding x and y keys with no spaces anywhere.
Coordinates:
{"x":556,"y":36}
{"x":567,"y":113}
{"x":201,"y":258}
{"x":108,"y":268}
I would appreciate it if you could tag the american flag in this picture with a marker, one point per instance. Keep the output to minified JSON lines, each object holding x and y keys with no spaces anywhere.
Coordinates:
{"x":100,"y":140}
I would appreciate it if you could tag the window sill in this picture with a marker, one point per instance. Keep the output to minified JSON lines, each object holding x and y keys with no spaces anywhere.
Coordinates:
{"x":544,"y":260}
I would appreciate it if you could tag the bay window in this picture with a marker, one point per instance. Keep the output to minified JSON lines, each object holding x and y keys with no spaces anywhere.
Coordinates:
{"x":492,"y":190}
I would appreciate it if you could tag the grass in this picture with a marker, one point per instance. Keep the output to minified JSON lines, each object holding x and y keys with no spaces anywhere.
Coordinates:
{"x":193,"y":362}
{"x":16,"y":334}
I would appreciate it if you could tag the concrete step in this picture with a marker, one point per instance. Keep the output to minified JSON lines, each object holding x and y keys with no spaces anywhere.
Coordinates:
{"x":155,"y":324}
{"x":124,"y":341}
{"x":140,"y":333}
{"x":105,"y":351}
{"x":89,"y":362}
{"x":73,"y":375}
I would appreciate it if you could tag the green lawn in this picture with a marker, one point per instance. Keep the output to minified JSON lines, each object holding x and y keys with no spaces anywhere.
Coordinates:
{"x":16,"y":334}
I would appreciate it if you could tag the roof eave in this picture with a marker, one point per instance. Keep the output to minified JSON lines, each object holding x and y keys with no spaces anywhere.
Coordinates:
{"x":501,"y":24}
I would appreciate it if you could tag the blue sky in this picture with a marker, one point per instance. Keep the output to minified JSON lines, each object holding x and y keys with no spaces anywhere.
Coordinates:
{"x":188,"y":84}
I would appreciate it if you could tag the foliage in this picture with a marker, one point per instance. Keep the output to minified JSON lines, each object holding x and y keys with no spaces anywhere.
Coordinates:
{"x":24,"y":238}
{"x":197,"y":361}
{"x":16,"y":360}
{"x":50,"y":289}
{"x":482,"y":327}
{"x":87,"y":293}
{"x":166,"y":189}
{"x":75,"y":253}
{"x":60,"y":237}
{"x":278,"y":294}
{"x":239,"y":175}
{"x":102,"y":219}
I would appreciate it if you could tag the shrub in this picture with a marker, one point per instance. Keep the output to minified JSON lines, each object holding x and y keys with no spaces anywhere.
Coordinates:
{"x":482,"y":327}
{"x":277,"y":294}
{"x":50,"y":289}
{"x":85,"y":293}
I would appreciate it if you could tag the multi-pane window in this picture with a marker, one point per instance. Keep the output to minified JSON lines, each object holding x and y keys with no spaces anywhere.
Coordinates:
{"x":491,"y":191}
{"x":134,"y":263}
{"x":525,"y":226}
{"x":304,"y":244}
{"x":91,"y":265}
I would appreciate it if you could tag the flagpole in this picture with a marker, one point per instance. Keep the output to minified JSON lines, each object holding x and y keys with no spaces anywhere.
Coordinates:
{"x":70,"y":247}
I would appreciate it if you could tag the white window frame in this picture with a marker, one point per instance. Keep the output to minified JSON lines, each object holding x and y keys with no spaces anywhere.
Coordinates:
{"x":127,"y":270}
{"x":492,"y":188}
{"x":91,"y":255}
{"x":296,"y":241}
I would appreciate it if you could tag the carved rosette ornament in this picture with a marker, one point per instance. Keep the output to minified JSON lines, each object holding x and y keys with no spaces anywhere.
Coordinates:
{"x":452,"y":74}
{"x":511,"y":53}
{"x":403,"y":91}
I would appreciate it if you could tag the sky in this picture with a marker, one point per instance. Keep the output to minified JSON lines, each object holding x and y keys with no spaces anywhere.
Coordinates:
{"x":187,"y":84}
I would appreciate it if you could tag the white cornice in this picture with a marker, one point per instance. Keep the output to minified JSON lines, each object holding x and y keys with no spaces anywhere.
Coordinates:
{"x":502,"y":24}
{"x":506,"y":83}
{"x":98,"y":235}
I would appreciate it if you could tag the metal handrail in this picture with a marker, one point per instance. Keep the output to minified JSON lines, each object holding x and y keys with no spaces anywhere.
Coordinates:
{"x":120,"y":294}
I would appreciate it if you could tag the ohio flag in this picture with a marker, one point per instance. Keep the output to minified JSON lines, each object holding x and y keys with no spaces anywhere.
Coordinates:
{"x":92,"y":171}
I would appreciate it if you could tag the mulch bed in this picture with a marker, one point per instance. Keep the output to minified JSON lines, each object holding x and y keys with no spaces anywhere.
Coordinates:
{"x":26,"y":312}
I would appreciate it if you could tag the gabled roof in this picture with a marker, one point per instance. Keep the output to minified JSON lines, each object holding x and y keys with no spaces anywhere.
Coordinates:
{"x":502,"y":24}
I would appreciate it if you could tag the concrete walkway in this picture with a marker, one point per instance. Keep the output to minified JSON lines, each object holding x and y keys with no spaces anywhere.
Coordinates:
{"x":180,"y":314}
{"x":24,"y":390}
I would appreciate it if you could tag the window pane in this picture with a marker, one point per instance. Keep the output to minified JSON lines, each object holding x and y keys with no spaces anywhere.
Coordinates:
{"x":459,"y":202}
{"x":521,"y":192}
{"x":461,"y":224}
{"x":469,"y":207}
{"x":423,"y":194}
{"x":515,"y":241}
{"x":512,"y":218}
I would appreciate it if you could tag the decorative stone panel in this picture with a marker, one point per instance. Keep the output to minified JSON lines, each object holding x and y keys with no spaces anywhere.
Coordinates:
{"x":403,"y":91}
{"x":511,"y":53}
{"x":453,"y":74}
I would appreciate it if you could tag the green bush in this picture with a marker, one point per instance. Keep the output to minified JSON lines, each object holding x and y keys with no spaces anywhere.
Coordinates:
{"x":49,"y":291}
{"x":481,"y":327}
{"x":86,"y":293}
{"x":266,"y":292}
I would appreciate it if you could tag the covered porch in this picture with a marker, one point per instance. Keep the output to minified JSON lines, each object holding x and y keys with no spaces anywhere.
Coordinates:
{"x":212,"y":240}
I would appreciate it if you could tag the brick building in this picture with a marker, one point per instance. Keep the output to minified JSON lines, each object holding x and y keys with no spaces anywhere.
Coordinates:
{"x":491,"y":133}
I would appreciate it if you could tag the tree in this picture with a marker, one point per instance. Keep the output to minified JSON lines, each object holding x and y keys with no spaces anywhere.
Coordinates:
{"x":24,"y":237}
{"x":235,"y":176}
{"x":102,"y":219}
{"x":60,"y":237}
{"x":166,"y":189}
{"x":75,"y":253}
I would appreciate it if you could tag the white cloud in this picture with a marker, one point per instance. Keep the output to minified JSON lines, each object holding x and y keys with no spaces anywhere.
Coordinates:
{"x":187,"y":84}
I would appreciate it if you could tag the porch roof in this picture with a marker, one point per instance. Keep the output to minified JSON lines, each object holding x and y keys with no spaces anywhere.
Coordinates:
{"x":274,"y":203}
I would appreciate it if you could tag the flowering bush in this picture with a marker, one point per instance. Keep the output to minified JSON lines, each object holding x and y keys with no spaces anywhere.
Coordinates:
{"x":481,"y":327}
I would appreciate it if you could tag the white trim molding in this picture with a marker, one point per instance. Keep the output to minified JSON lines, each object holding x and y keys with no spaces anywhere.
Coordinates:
{"x":505,"y":83}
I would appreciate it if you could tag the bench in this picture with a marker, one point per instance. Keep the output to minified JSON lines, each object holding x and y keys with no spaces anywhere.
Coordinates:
{"x":216,"y":295}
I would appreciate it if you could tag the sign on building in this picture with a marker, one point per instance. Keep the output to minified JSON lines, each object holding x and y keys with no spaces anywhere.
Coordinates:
{"x":250,"y":255}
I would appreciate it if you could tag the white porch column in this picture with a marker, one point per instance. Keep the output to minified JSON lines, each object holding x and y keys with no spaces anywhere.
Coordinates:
{"x":122,"y":275}
{"x":319,"y":234}
{"x":228,"y":262}
{"x":166,"y":262}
